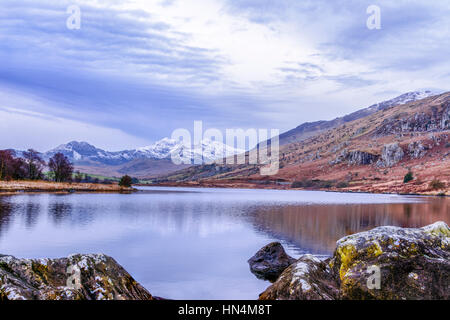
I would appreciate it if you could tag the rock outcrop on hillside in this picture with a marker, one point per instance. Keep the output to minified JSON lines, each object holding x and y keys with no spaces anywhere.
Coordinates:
{"x":355,"y":157}
{"x":384,"y":263}
{"x":436,"y":120}
{"x":391,"y":154}
{"x":417,"y":150}
{"x":78,"y":277}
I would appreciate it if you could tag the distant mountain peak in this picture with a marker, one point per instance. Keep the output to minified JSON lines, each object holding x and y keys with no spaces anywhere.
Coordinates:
{"x":206,"y":149}
{"x":82,"y":152}
{"x":404,"y":98}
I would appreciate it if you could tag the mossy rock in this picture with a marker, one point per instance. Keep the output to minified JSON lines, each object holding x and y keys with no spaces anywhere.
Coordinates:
{"x":385,"y":263}
{"x":99,"y":277}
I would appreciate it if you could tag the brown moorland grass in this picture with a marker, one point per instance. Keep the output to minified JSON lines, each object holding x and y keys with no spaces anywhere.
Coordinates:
{"x":46,"y":186}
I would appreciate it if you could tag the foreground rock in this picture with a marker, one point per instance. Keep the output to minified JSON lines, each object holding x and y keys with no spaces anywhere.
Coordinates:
{"x":383,"y":263}
{"x":306,"y":279}
{"x":270,"y":261}
{"x":78,"y":277}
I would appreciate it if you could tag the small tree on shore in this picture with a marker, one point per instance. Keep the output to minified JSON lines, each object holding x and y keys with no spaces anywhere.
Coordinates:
{"x":6,"y":164}
{"x":408,"y":177}
{"x":61,"y":167}
{"x":78,"y":176}
{"x":126,"y":181}
{"x":19,"y":169}
{"x":35,"y":164}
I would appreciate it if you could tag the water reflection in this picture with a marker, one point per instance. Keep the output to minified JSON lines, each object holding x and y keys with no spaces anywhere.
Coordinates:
{"x":6,"y":211}
{"x":187,"y":244}
{"x":317,"y":227}
{"x":60,"y":211}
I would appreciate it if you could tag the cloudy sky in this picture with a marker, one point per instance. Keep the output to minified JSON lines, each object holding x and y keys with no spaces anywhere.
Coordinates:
{"x":138,"y":69}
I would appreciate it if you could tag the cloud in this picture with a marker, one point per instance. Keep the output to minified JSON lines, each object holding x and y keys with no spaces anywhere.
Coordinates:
{"x":28,"y":129}
{"x":144,"y":68}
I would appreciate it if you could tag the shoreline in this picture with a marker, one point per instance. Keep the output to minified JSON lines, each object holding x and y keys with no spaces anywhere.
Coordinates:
{"x":36,"y":187}
{"x":274,"y":186}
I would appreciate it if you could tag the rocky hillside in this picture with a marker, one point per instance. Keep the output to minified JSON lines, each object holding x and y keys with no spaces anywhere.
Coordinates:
{"x":372,"y":153}
{"x":310,"y":129}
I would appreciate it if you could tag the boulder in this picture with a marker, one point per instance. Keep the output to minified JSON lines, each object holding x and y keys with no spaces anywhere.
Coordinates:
{"x":77,"y":277}
{"x":270,"y":261}
{"x":384,"y":263}
{"x":308,"y":278}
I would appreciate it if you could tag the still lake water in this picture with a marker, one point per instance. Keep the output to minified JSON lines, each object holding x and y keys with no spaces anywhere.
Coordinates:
{"x":184,"y":243}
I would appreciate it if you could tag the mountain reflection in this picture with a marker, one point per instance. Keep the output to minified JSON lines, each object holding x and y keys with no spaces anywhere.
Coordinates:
{"x":318,"y":227}
{"x":311,"y":227}
{"x":187,"y":244}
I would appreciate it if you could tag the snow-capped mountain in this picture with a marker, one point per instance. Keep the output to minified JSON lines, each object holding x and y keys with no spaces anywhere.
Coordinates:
{"x":207,"y":150}
{"x":403,"y":99}
{"x":83,"y":152}
{"x":308,"y":129}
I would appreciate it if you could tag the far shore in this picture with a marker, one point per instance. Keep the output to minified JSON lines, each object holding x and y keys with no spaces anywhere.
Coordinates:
{"x":12,"y":187}
{"x":397,"y":189}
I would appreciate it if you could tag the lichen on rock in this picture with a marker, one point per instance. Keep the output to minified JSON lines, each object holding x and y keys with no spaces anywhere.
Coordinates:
{"x":97,"y":277}
{"x":413,"y":263}
{"x":309,"y":278}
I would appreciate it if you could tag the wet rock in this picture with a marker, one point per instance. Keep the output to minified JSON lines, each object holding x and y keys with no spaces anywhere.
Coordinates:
{"x":78,"y":277}
{"x":270,"y":261}
{"x":383,"y":263}
{"x":390,"y":155}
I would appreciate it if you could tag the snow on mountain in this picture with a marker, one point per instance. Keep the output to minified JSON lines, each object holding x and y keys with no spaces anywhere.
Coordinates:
{"x":83,"y":152}
{"x":403,"y":99}
{"x":207,"y":150}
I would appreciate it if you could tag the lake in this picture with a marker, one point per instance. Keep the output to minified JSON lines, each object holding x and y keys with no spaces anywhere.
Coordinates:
{"x":192,"y":243}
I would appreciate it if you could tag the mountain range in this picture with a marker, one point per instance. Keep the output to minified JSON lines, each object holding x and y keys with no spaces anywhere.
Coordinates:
{"x":369,"y":150}
{"x":141,"y":162}
{"x":154,"y":161}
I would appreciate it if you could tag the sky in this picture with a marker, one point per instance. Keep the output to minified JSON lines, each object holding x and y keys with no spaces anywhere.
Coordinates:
{"x":136,"y":70}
